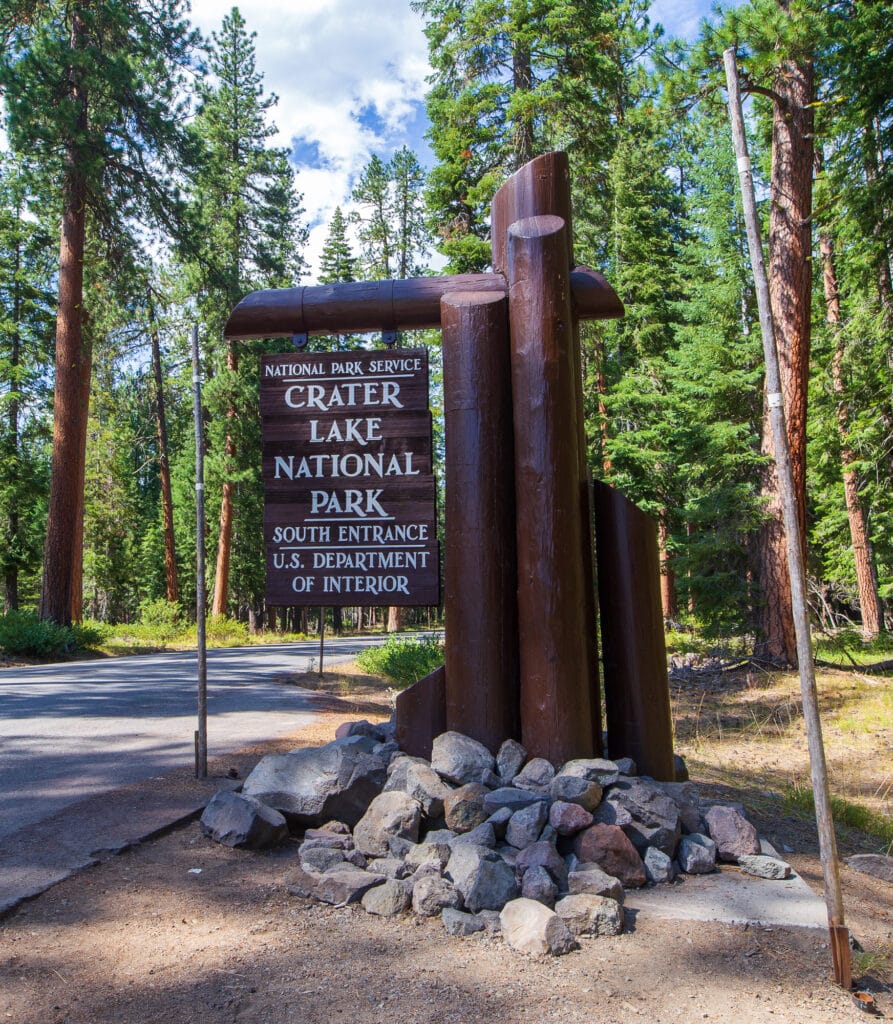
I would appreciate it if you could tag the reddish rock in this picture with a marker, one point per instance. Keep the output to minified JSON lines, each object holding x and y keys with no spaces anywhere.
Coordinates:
{"x":464,"y":807}
{"x":567,"y":819}
{"x":609,"y":847}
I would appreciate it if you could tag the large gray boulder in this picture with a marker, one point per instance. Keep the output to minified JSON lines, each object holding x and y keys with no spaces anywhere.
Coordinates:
{"x":575,"y":789}
{"x":535,"y":776}
{"x":457,"y":922}
{"x":237,"y":820}
{"x":761,"y":866}
{"x":390,"y":898}
{"x":686,"y":797}
{"x":589,"y":880}
{"x":421,"y":782}
{"x":431,"y":894}
{"x":537,"y":885}
{"x":313,"y":785}
{"x":513,"y":799}
{"x":346,"y":885}
{"x":645,"y":813}
{"x":483,"y":878}
{"x":460,"y":759}
{"x":390,"y":814}
{"x":544,"y":855}
{"x":531,"y":927}
{"x":595,"y":769}
{"x":733,"y":834}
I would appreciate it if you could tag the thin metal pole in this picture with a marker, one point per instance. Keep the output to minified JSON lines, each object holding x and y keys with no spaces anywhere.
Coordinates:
{"x":322,"y":636}
{"x":201,"y":734}
{"x":827,"y":840}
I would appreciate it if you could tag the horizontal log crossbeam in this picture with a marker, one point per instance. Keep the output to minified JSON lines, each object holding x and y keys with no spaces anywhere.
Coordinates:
{"x":409,"y":304}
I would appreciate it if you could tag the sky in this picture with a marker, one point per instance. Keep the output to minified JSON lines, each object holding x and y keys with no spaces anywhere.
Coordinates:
{"x":350,"y":77}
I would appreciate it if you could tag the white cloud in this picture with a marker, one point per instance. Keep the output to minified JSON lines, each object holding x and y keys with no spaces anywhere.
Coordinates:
{"x":350,"y":78}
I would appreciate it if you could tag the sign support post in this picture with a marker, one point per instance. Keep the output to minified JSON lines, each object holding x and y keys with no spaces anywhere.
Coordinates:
{"x":201,"y":734}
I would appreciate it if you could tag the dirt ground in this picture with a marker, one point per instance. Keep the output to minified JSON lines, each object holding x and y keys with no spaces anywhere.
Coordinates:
{"x":179,"y":929}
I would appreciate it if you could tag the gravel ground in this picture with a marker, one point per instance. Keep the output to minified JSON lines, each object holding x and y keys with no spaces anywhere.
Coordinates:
{"x":179,"y":929}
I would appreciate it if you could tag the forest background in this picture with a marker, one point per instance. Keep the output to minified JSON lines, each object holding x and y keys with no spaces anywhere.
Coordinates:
{"x":153,"y":149}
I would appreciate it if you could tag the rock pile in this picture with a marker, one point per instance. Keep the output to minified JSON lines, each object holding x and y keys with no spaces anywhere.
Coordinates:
{"x":509,"y":844}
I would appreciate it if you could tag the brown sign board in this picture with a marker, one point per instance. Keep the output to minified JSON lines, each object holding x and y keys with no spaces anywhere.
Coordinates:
{"x":349,"y":493}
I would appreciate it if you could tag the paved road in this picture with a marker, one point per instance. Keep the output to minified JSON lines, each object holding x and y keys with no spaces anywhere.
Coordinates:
{"x":76,"y":730}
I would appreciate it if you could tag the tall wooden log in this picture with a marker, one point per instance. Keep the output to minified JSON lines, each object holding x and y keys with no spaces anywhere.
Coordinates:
{"x":542,"y":187}
{"x":480,"y":577}
{"x":556,"y":697}
{"x":637,"y":695}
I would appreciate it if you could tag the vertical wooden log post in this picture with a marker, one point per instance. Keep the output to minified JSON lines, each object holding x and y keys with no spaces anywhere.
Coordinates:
{"x":480,"y":578}
{"x":542,"y":187}
{"x":634,"y":654}
{"x":556,"y":694}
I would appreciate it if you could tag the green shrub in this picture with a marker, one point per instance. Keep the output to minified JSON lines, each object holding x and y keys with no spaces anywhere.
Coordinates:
{"x":90,"y":633}
{"x":220,"y":631}
{"x":25,"y":634}
{"x":404,"y":661}
{"x":161,"y":619}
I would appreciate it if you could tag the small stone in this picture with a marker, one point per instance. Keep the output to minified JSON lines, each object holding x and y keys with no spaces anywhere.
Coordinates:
{"x":549,"y":835}
{"x":338,"y":827}
{"x":697,"y":854}
{"x":543,"y":855}
{"x":595,"y":769}
{"x":390,"y":867}
{"x":457,"y":922}
{"x":762,"y":866}
{"x":568,"y":819}
{"x":399,"y":847}
{"x":319,"y":858}
{"x":732,"y":832}
{"x":686,"y":797}
{"x":361,"y":728}
{"x":345,"y":886}
{"x":610,"y":848}
{"x":513,"y":799}
{"x":658,"y":866}
{"x":575,"y":789}
{"x":499,"y":820}
{"x":590,"y":880}
{"x":530,"y":927}
{"x":627,"y":766}
{"x":525,"y":825}
{"x":680,"y":768}
{"x":422,"y":783}
{"x":299,"y":882}
{"x":240,"y":821}
{"x":389,"y":814}
{"x":423,"y":852}
{"x":490,"y":921}
{"x":388,"y":899}
{"x":427,"y":869}
{"x":356,"y":858}
{"x":535,"y":776}
{"x":431,"y":895}
{"x":461,"y":759}
{"x":537,"y":885}
{"x":590,"y":915}
{"x":483,"y":835}
{"x":464,"y":807}
{"x":875,"y":864}
{"x":509,"y":760}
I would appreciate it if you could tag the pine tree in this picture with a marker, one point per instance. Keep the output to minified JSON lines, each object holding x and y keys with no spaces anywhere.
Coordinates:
{"x":336,"y":261}
{"x":247,"y":235}
{"x":92,"y":93}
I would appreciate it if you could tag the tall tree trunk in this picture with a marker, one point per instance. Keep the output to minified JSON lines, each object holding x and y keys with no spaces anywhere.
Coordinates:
{"x":395,"y":619}
{"x":522,"y":129}
{"x":11,"y":574}
{"x":66,"y":479}
{"x":224,"y":543}
{"x":790,"y":287}
{"x":863,"y":553}
{"x":77,"y":542}
{"x":172,"y":587}
{"x":668,"y":600}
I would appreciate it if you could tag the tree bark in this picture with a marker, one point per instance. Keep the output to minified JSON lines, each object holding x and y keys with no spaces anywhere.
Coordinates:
{"x":790,"y":284}
{"x":863,"y":553}
{"x":225,"y":538}
{"x":164,"y":469}
{"x":11,"y":575}
{"x":668,"y":600}
{"x":72,"y":358}
{"x":395,"y":619}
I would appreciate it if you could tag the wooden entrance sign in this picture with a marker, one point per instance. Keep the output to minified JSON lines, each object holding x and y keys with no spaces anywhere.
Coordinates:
{"x":349,"y":512}
{"x":520,"y":605}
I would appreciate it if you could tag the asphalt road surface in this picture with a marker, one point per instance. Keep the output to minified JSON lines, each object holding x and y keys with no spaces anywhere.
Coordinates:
{"x":79,"y":729}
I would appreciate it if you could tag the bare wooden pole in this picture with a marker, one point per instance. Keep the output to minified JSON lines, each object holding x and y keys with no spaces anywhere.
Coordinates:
{"x":840,"y":948}
{"x":201,"y":734}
